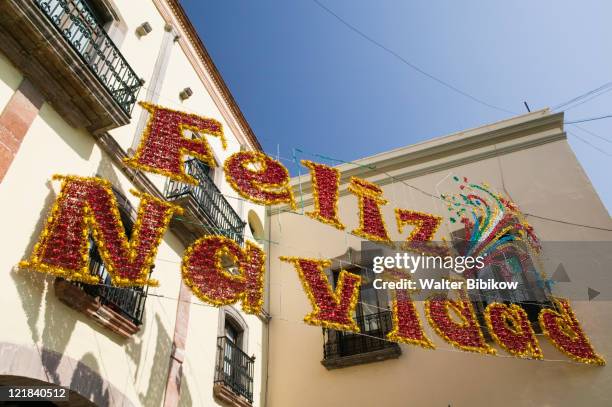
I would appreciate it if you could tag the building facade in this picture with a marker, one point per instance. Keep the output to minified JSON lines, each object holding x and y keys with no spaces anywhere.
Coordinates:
{"x":528,"y":160}
{"x":71,"y":72}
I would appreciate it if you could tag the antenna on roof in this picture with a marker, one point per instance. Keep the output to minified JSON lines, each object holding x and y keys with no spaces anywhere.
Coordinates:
{"x":527,"y":107}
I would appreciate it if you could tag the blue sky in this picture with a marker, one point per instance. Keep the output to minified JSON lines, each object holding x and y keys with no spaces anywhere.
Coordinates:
{"x":305,"y":80}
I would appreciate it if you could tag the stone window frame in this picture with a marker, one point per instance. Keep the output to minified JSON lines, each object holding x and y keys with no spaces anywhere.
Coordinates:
{"x":229,"y":312}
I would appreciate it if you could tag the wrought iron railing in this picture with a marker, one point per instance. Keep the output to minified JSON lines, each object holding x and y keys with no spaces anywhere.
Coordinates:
{"x":234,"y":368}
{"x":372,"y":337}
{"x":78,"y":25}
{"x":129,"y":302}
{"x":214,"y":212}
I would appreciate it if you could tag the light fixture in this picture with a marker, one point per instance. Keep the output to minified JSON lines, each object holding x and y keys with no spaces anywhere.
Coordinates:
{"x":143,"y":29}
{"x":186,"y":93}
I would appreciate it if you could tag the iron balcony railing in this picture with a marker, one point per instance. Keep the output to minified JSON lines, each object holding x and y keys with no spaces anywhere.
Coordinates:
{"x":78,"y":25}
{"x":234,"y":368}
{"x":372,"y":337}
{"x":214,"y":212}
{"x":129,"y":302}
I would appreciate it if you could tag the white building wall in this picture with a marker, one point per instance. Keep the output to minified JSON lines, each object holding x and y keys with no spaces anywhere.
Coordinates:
{"x":33,"y":315}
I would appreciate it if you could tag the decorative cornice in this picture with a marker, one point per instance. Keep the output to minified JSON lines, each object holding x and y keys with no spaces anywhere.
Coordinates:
{"x":201,"y":59}
{"x":514,"y":134}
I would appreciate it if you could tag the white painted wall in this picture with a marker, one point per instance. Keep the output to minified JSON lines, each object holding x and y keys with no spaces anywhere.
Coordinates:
{"x":545,"y":180}
{"x":137,"y":366}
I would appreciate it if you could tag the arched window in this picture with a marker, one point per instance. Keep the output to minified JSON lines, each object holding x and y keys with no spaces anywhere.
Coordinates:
{"x":234,"y":369}
{"x":255,"y":225}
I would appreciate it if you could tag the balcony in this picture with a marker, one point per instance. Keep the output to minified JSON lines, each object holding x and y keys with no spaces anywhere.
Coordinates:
{"x":206,"y":209}
{"x":343,"y":349}
{"x":234,"y":371}
{"x":61,"y":47}
{"x":118,"y":309}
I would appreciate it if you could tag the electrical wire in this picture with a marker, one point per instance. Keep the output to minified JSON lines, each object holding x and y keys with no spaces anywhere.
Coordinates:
{"x":606,"y":87}
{"x":371,"y":167}
{"x":590,"y":119}
{"x":592,"y":133}
{"x":408,"y":63}
{"x":590,"y":144}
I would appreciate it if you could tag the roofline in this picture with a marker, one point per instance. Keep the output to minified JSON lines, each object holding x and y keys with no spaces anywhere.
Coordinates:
{"x":491,"y":132}
{"x":441,"y":153}
{"x":204,"y":57}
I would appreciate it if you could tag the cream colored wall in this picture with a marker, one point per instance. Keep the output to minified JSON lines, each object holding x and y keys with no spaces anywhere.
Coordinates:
{"x":201,"y":343}
{"x":142,"y":53}
{"x":545,"y":180}
{"x":137,"y":366}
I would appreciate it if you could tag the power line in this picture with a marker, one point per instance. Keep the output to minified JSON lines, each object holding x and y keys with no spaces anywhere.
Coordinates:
{"x":590,"y":119}
{"x":593,"y":134}
{"x":588,"y":99}
{"x":606,"y":87}
{"x":567,"y":222}
{"x":590,"y":144}
{"x":408,"y":63}
{"x":338,"y":160}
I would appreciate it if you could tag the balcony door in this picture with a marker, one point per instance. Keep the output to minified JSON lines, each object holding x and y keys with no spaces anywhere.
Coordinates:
{"x":371,"y":314}
{"x":233,"y":336}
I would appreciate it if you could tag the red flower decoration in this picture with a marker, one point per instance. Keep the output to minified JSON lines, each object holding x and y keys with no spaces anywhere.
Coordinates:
{"x":407,"y":326}
{"x":371,"y":223}
{"x":206,"y":270}
{"x":510,"y":327}
{"x":564,"y":331}
{"x":465,"y":335}
{"x":86,"y":204}
{"x":325,"y":184}
{"x":163,"y":144}
{"x":259,"y":178}
{"x":330,"y":309}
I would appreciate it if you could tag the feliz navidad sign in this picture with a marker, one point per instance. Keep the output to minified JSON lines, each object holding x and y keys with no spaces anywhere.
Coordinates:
{"x":86,"y":206}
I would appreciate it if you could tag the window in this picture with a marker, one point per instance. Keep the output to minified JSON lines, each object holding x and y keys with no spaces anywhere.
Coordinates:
{"x":372,"y":315}
{"x":129,"y":302}
{"x":255,"y":226}
{"x":234,"y":369}
{"x":515,"y":265}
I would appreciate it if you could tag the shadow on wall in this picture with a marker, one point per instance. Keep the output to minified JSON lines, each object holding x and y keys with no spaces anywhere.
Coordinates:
{"x":159,"y":369}
{"x":107,"y":171}
{"x":88,"y":383}
{"x":59,"y":319}
{"x":79,"y":140}
{"x":185,"y":400}
{"x":31,"y":285}
{"x":36,"y":292}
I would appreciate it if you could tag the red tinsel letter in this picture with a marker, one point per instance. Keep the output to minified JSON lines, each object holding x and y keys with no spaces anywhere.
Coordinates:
{"x":371,"y":222}
{"x":465,"y":335}
{"x":406,"y":322}
{"x":510,"y":327}
{"x":425,"y":224}
{"x":259,"y":178}
{"x":163,"y":144}
{"x":330,"y":309}
{"x":86,"y":204}
{"x":564,"y":331}
{"x":325,"y":183}
{"x":211,"y":281}
{"x":421,"y":237}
